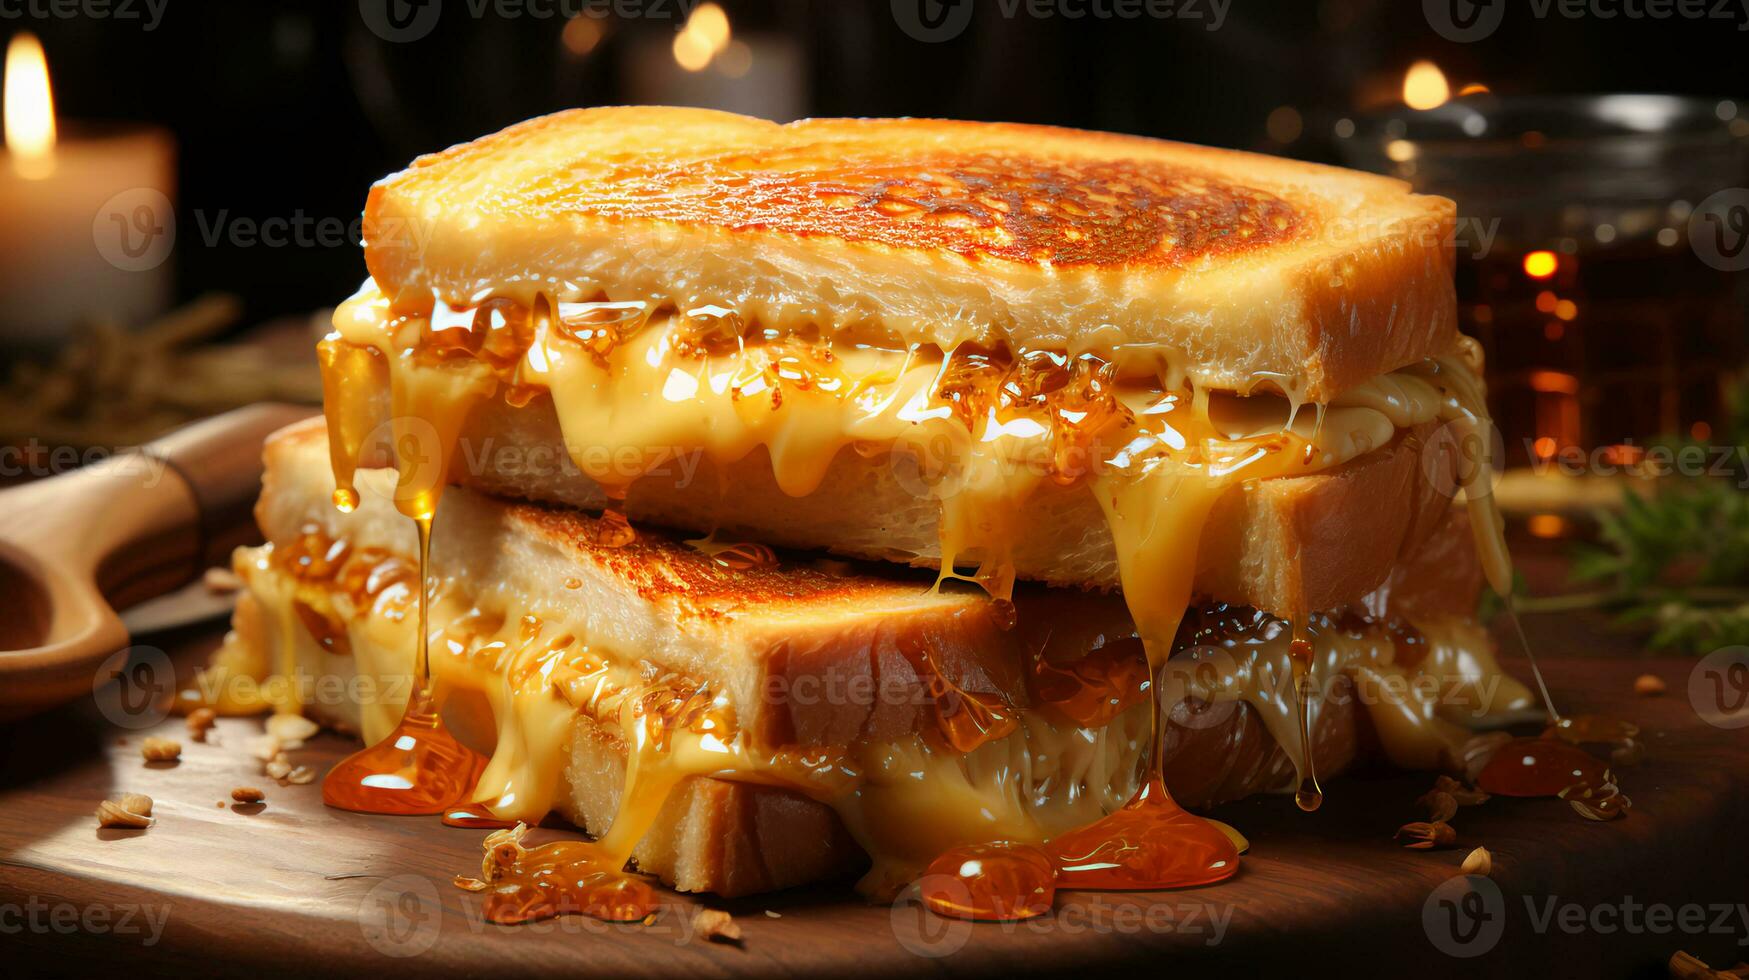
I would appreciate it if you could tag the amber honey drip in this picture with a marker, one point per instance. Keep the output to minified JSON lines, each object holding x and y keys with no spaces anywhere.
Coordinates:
{"x":560,"y":878}
{"x":419,"y":768}
{"x":1001,"y":882}
{"x":1308,"y":795}
{"x":1096,"y":688}
{"x":963,"y":719}
{"x":351,"y":373}
{"x":474,"y":816}
{"x":1151,"y":843}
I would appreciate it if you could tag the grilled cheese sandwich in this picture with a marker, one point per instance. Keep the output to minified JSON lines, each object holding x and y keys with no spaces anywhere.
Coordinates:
{"x":1189,"y":420}
{"x":892,"y":719}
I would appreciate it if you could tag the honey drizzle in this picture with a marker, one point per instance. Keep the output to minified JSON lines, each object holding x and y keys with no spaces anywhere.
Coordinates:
{"x":999,"y":882}
{"x":420,"y":767}
{"x":1308,"y":795}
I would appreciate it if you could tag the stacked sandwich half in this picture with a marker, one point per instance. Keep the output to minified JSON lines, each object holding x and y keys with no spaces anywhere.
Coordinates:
{"x":812,"y":499}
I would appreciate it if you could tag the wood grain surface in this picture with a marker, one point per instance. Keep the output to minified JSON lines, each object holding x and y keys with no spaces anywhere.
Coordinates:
{"x":293,"y":888}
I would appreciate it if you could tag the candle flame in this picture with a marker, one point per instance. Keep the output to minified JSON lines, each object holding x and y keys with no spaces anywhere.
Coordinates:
{"x":30,"y":108}
{"x":1425,"y":87}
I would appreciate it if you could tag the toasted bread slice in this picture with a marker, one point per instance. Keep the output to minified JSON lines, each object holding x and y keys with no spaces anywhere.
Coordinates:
{"x":1310,"y":542}
{"x":787,"y":646}
{"x":1240,"y":268}
{"x":746,"y":631}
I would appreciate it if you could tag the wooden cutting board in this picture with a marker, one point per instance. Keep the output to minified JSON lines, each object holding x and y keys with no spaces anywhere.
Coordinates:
{"x":294,"y":888}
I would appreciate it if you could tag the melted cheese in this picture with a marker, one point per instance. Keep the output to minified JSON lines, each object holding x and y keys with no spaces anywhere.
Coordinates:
{"x":516,"y":685}
{"x":632,"y":387}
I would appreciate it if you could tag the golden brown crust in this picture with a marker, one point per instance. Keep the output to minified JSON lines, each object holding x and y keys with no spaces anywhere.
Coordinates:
{"x":902,"y":230}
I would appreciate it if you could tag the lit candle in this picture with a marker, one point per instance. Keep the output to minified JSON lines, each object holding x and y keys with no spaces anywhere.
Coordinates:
{"x":88,"y":221}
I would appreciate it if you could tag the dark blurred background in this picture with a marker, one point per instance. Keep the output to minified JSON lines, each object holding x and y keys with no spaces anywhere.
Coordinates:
{"x":282,"y":108}
{"x":279,"y":115}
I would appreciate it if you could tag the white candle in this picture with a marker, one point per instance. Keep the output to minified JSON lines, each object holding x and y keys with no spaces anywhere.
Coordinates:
{"x":86,"y":219}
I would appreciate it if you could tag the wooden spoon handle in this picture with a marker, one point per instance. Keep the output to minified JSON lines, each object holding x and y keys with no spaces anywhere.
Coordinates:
{"x":220,"y":460}
{"x":77,"y":546}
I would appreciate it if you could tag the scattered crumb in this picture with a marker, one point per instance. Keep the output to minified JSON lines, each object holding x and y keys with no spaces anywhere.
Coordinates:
{"x":247,"y":794}
{"x":1441,"y":806}
{"x":1478,"y":862}
{"x":1463,"y":795}
{"x":769,"y":914}
{"x":279,"y":767}
{"x":220,"y":804}
{"x":132,"y":811}
{"x":200,"y":721}
{"x":291,"y":730}
{"x":221,"y":581}
{"x":157,"y":749}
{"x":1649,"y":686}
{"x":717,"y":926}
{"x":264,"y":747}
{"x":650,"y":919}
{"x":1422,"y":836}
{"x":301,"y":776}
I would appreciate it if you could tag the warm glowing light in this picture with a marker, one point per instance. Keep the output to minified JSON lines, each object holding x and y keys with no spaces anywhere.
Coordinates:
{"x":1425,"y":87}
{"x":1544,"y":447}
{"x":1546,"y":300}
{"x":1566,"y":309}
{"x":1474,"y":88}
{"x":1540,"y":264}
{"x":1554,"y":383}
{"x":1701,"y":431}
{"x":1546,"y":525}
{"x":582,"y":33}
{"x":1400,"y":151}
{"x":691,"y":51}
{"x":1623,"y":454}
{"x":712,"y":25}
{"x":30,"y":109}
